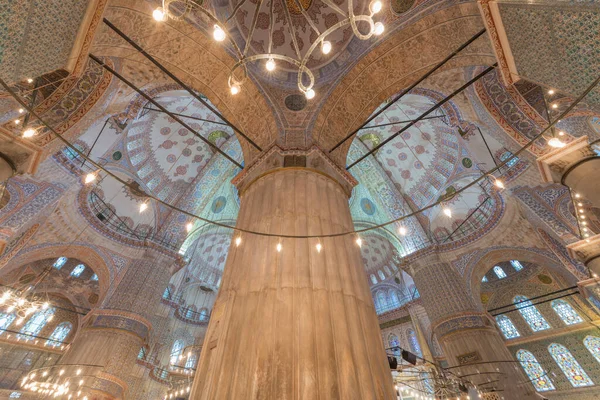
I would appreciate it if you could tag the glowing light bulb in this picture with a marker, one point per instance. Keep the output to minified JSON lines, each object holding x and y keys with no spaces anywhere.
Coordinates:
{"x":279,"y":247}
{"x":359,"y":242}
{"x":159,"y":14}
{"x":235,"y":89}
{"x":189,"y":226}
{"x":326,"y":47}
{"x":218,"y":34}
{"x":45,"y":305}
{"x":499,"y":184}
{"x":561,"y":133}
{"x":50,"y":318}
{"x":376,"y":6}
{"x":28,"y":133}
{"x":310,"y":94}
{"x":580,"y":204}
{"x":21,"y":111}
{"x":20,"y":321}
{"x":89,"y":178}
{"x":556,"y":142}
{"x":17,"y":121}
{"x":29,"y":80}
{"x":551,"y":92}
{"x":555,"y":106}
{"x":238,"y":241}
{"x":577,"y":195}
{"x":378,"y":29}
{"x":143,"y":207}
{"x":447,"y":212}
{"x":270,"y":65}
{"x":402,"y":231}
{"x":319,"y":247}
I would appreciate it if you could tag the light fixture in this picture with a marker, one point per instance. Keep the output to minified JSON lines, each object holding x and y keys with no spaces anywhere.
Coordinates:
{"x":577,"y":195}
{"x":159,"y":14}
{"x":89,"y":178}
{"x":218,"y":33}
{"x":447,"y":212}
{"x":561,"y":133}
{"x":310,"y":94}
{"x":189,"y":226}
{"x":378,"y":29}
{"x":556,"y":142}
{"x":17,"y":121}
{"x":319,"y":247}
{"x":29,"y":80}
{"x":235,"y":89}
{"x":270,"y":65}
{"x":402,"y":231}
{"x":359,"y":241}
{"x":580,"y":204}
{"x":21,"y":111}
{"x":499,"y":184}
{"x":238,"y":241}
{"x":375,"y":6}
{"x":555,"y":106}
{"x":279,"y":247}
{"x":27,"y":133}
{"x":326,"y":47}
{"x":143,"y":207}
{"x":551,"y":92}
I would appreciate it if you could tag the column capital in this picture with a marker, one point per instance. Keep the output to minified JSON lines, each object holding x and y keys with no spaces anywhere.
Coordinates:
{"x":554,"y":165}
{"x":276,"y":158}
{"x":588,"y":252}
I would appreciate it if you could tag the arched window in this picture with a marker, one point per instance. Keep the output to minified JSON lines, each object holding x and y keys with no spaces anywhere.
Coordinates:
{"x":77,"y":271}
{"x":381,"y":275}
{"x":530,"y":313}
{"x":142,"y":353}
{"x":5,"y":321}
{"x":540,"y":379}
{"x":507,"y":327}
{"x":414,"y":343}
{"x":373,"y":279}
{"x":506,"y":155}
{"x":387,"y":270}
{"x":94,"y":277}
{"x":191,"y":362}
{"x":394,"y":344}
{"x":203,"y":315}
{"x":36,"y":323}
{"x":176,"y":351}
{"x":60,"y":261}
{"x":381,"y":300}
{"x":516,"y":265}
{"x":566,"y":312}
{"x":60,"y":334}
{"x":484,"y":279}
{"x":499,"y":272}
{"x":569,"y":366}
{"x":394,"y":297}
{"x":167,"y":294}
{"x":592,"y":343}
{"x":189,"y":313}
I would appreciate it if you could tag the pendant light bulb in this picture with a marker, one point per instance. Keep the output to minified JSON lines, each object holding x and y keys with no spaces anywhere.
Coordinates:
{"x":499,"y":184}
{"x":143,"y":207}
{"x":376,"y":6}
{"x":159,"y":14}
{"x":89,"y":178}
{"x":319,"y":247}
{"x":189,"y":227}
{"x":219,"y":34}
{"x":379,"y":29}
{"x":279,"y":247}
{"x":238,"y":241}
{"x":447,"y":212}
{"x":310,"y":94}
{"x":21,"y":111}
{"x":235,"y":89}
{"x":556,"y":142}
{"x":402,"y":231}
{"x":326,"y":47}
{"x":270,"y":65}
{"x":359,"y":241}
{"x":28,"y":133}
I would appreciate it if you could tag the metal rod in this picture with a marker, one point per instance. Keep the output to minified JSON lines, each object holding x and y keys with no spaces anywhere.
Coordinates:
{"x":188,"y":116}
{"x":163,"y":109}
{"x":432,"y":109}
{"x":487,"y":147}
{"x":399,"y":122}
{"x":535,"y":304}
{"x":411,"y":87}
{"x":179,"y":81}
{"x":533,"y":298}
{"x":93,"y":144}
{"x":466,"y":219}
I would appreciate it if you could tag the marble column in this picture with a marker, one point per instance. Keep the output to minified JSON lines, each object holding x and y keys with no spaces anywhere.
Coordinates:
{"x":465,"y":333}
{"x":112,"y":335}
{"x":294,"y":324}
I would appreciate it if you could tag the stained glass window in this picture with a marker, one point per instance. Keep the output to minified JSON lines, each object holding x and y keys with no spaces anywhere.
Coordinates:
{"x":484,"y":279}
{"x":394,"y":297}
{"x":373,"y":279}
{"x":394,"y":344}
{"x":190,"y":362}
{"x":94,"y":277}
{"x":530,"y":313}
{"x":167,"y":294}
{"x":203,"y":314}
{"x":78,"y":270}
{"x":592,"y":343}
{"x":540,"y":379}
{"x":381,"y":275}
{"x":507,"y":327}
{"x":566,"y":312}
{"x":569,"y":366}
{"x":381,"y":300}
{"x":36,"y":323}
{"x":506,"y":155}
{"x":142,"y":354}
{"x":516,"y":265}
{"x":387,"y":270}
{"x":176,"y":351}
{"x":60,"y":334}
{"x":414,"y":343}
{"x":499,"y":272}
{"x":60,"y":261}
{"x":5,"y":321}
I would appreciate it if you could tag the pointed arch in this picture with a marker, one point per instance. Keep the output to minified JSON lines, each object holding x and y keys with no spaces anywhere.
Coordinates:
{"x":569,"y":366}
{"x":59,"y":334}
{"x":592,"y":343}
{"x":507,"y":327}
{"x":565,"y":311}
{"x":413,"y":341}
{"x":539,"y":378}
{"x":530,"y":314}
{"x":499,"y":272}
{"x":176,"y":351}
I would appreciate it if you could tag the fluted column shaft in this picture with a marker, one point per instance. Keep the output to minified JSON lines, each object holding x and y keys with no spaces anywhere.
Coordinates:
{"x":295,"y":324}
{"x":465,"y":333}
{"x":113,"y":334}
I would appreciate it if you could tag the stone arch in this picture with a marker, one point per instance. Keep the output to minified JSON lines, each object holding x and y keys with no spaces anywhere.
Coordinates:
{"x":486,"y":259}
{"x":194,"y":58}
{"x":392,"y":66}
{"x":99,"y":262}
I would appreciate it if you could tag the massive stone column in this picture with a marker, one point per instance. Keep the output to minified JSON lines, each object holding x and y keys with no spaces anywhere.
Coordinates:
{"x":112,"y":335}
{"x":295,"y":323}
{"x":465,"y":333}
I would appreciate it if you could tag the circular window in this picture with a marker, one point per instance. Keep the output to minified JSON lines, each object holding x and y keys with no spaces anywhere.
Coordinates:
{"x":117,"y":155}
{"x":295,"y":102}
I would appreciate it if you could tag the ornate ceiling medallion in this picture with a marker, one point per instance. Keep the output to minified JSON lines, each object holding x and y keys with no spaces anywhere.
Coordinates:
{"x":274,"y":23}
